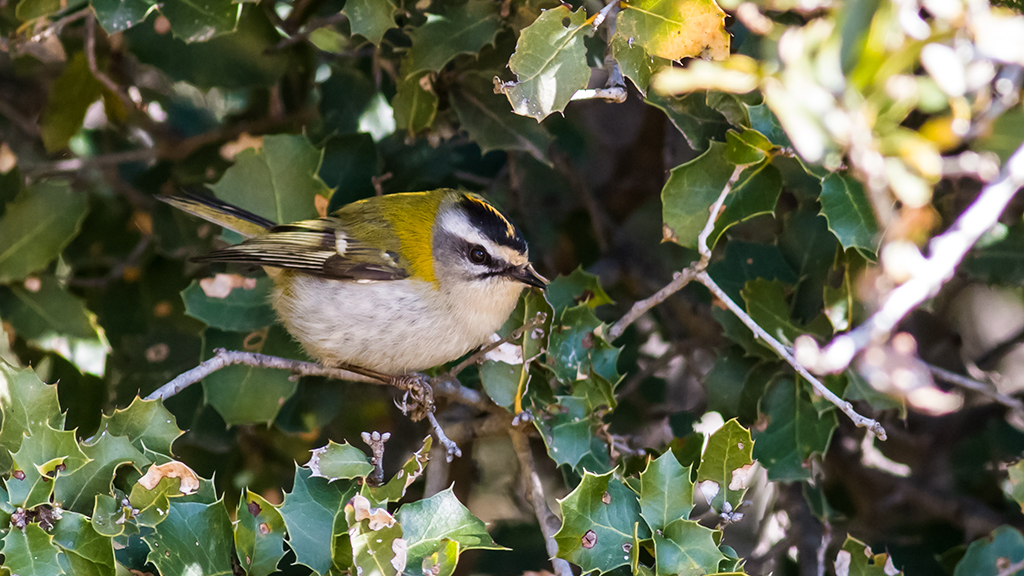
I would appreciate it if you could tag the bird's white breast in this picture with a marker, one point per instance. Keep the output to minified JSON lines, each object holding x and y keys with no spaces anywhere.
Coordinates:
{"x":394,"y":327}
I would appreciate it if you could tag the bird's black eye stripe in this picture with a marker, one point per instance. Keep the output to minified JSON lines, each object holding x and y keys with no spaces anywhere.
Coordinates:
{"x":478,"y":255}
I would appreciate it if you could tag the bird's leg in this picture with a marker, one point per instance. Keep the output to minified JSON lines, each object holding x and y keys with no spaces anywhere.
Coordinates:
{"x":418,"y":398}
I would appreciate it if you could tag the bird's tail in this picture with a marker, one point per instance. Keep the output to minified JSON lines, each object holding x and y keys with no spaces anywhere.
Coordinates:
{"x":221,"y":213}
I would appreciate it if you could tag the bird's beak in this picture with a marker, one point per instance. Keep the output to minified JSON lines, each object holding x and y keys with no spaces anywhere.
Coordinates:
{"x":527,"y":275}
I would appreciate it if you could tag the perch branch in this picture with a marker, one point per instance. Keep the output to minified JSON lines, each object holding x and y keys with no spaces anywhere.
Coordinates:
{"x":945,"y":253}
{"x":477,"y":356}
{"x":843,"y":405}
{"x":535,"y":494}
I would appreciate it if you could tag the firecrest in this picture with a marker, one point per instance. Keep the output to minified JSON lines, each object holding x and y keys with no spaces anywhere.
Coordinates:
{"x":391,"y":284}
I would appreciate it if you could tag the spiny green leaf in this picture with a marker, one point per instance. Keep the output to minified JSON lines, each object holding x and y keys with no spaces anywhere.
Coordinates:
{"x":598,"y":519}
{"x":244,"y":309}
{"x":109,"y":517}
{"x":339,"y":461}
{"x":26,"y":403}
{"x":201,"y":20}
{"x":45,"y":454}
{"x":415,"y":104}
{"x":42,"y":307}
{"x":848,"y":211}
{"x":856,"y":559}
{"x":794,"y":434}
{"x":634,"y":62}
{"x":377,"y":545}
{"x":146,"y":423}
{"x":31,"y":551}
{"x":1004,"y":546}
{"x":677,"y":29}
{"x":259,"y":535}
{"x":686,"y":548}
{"x":666,"y":492}
{"x":107,"y":453}
{"x":119,"y":15}
{"x":309,"y":512}
{"x":84,"y":551}
{"x":370,"y":18}
{"x":461,"y":29}
{"x":696,"y":121}
{"x":755,"y":193}
{"x":36,"y":227}
{"x":277,"y":181}
{"x":429,"y":523}
{"x":579,"y":287}
{"x":726,"y":461}
{"x":487,"y":119}
{"x":567,"y":438}
{"x":689,"y":193}
{"x":549,"y":63}
{"x":193,"y":537}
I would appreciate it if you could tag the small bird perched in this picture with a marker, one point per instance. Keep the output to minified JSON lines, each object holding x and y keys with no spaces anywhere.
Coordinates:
{"x":388,"y":285}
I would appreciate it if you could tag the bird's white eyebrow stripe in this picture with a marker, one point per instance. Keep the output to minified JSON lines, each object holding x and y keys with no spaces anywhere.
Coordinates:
{"x":459,"y":226}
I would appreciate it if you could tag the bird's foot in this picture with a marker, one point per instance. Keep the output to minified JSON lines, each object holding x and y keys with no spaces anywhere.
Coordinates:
{"x":418,"y":398}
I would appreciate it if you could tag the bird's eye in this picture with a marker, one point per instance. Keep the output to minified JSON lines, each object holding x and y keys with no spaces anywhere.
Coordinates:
{"x":477,"y":254}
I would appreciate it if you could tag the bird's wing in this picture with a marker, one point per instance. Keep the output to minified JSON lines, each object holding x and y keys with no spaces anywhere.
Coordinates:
{"x":320,"y":247}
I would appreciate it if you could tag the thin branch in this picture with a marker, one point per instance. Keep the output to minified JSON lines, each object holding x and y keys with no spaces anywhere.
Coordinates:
{"x":945,"y":253}
{"x":535,"y":494}
{"x":843,"y":405}
{"x":451,"y":448}
{"x":223,"y":358}
{"x":709,"y":226}
{"x":615,"y":94}
{"x":976,"y":386}
{"x":90,"y":56}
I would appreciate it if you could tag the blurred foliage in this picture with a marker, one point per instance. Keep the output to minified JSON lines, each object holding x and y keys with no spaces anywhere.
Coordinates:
{"x":850,"y":132}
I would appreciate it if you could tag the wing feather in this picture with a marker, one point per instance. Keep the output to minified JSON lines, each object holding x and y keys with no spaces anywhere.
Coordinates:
{"x":320,"y":247}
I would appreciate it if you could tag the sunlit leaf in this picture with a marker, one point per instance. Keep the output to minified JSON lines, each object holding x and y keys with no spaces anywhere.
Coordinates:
{"x":666,"y":492}
{"x":726,"y":461}
{"x":31,"y":551}
{"x":676,"y":29}
{"x":429,"y":523}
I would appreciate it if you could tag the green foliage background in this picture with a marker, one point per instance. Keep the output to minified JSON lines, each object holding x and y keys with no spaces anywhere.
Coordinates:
{"x":847,"y":132}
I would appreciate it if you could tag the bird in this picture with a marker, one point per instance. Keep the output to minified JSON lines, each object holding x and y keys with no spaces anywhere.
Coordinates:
{"x":386,"y":286}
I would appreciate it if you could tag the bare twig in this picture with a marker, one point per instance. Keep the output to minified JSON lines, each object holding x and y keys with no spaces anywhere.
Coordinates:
{"x":945,"y":253}
{"x":615,"y":94}
{"x":90,"y":56}
{"x":313,"y":25}
{"x":223,"y":358}
{"x":535,"y":494}
{"x":843,"y":405}
{"x":709,"y":226}
{"x":375,"y":441}
{"x":450,"y":446}
{"x":976,"y":386}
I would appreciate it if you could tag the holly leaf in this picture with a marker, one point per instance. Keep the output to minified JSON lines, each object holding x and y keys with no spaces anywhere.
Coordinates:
{"x":460,"y":29}
{"x":378,"y":548}
{"x":686,"y":548}
{"x":598,"y":518}
{"x":370,"y":18}
{"x":201,"y":20}
{"x":259,"y":535}
{"x":988,"y":555}
{"x":26,"y":403}
{"x":567,"y":438}
{"x":77,"y":490}
{"x":41,"y":307}
{"x":146,"y":423}
{"x":45,"y":454}
{"x":857,"y":559}
{"x":119,"y":15}
{"x":339,"y":461}
{"x":727,"y":461}
{"x":84,"y":550}
{"x":415,"y":104}
{"x":634,"y":62}
{"x":429,"y":523}
{"x":487,"y":119}
{"x":249,"y":394}
{"x":579,"y":287}
{"x":37,"y":225}
{"x":699,"y":123}
{"x":794,"y":434}
{"x":550,"y":63}
{"x":243,"y":308}
{"x":666,"y":492}
{"x":309,"y":511}
{"x":676,"y":29}
{"x":30,"y":551}
{"x":194,"y":537}
{"x":850,"y":217}
{"x":278,"y":181}
{"x":690,"y":191}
